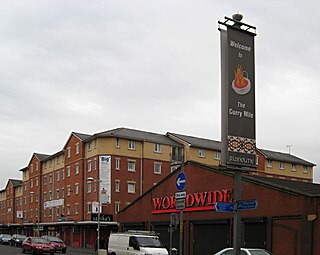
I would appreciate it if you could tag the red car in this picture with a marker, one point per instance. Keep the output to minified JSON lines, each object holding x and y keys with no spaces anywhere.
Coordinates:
{"x":37,"y":245}
{"x":57,"y":243}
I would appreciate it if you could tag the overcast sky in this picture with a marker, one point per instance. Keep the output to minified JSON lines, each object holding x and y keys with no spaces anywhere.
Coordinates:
{"x":90,"y":66}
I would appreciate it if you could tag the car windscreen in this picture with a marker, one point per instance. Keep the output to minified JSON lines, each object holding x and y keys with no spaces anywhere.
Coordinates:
{"x":148,"y":241}
{"x":6,"y":236}
{"x":40,"y":240}
{"x":54,"y":239}
{"x":21,"y":237}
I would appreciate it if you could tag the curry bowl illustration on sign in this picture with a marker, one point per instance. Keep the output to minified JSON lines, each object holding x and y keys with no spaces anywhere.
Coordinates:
{"x":241,"y":84}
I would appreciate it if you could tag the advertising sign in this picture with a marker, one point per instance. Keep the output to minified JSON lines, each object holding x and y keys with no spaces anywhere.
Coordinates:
{"x":105,"y":179}
{"x":238,"y":97}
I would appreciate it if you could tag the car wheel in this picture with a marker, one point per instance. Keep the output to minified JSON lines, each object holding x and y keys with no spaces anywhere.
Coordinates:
{"x":23,"y":250}
{"x":33,"y":252}
{"x":64,"y":251}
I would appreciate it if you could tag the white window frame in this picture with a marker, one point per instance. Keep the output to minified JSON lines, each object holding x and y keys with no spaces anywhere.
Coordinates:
{"x":293,"y":167}
{"x":157,"y":168}
{"x":68,"y":190}
{"x":117,"y":142}
{"x":68,"y":152}
{"x":157,"y":147}
{"x":77,"y":148}
{"x":117,"y":185}
{"x":117,"y":164}
{"x":269,"y":163}
{"x":131,"y":145}
{"x":202,"y":153}
{"x":281,"y":165}
{"x":68,"y":171}
{"x":117,"y":207}
{"x":89,"y":165}
{"x":305,"y":169}
{"x":217,"y":155}
{"x":76,"y":168}
{"x":89,"y":187}
{"x":76,"y":188}
{"x":130,"y":164}
{"x":57,"y":193}
{"x":131,"y":189}
{"x":76,"y":208}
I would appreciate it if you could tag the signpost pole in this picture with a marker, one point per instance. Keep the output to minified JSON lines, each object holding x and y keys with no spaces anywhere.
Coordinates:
{"x":237,"y":216}
{"x":181,"y":232}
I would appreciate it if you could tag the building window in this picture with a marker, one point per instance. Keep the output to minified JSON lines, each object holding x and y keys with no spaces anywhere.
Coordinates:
{"x":89,"y":165}
{"x":44,"y":197}
{"x":257,"y":159}
{"x":131,"y":187}
{"x":37,"y":166}
{"x":117,"y":143}
{"x":62,"y":174}
{"x":281,"y":165}
{"x":89,"y":207}
{"x":50,"y":195}
{"x":77,"y":169}
{"x":77,"y":148}
{"x":117,"y":186}
{"x":36,"y":197}
{"x":68,"y":152}
{"x":217,"y":155}
{"x":157,"y":168}
{"x":117,"y":164}
{"x":89,"y":187}
{"x":269,"y":163}
{"x":68,"y":209}
{"x":50,"y":162}
{"x":57,"y":194}
{"x":293,"y":167}
{"x":31,"y":198}
{"x":68,"y":190}
{"x":76,"y":188}
{"x":90,"y":146}
{"x":37,"y":182}
{"x":305,"y":169}
{"x":95,"y":164}
{"x":31,"y":168}
{"x":76,"y":209}
{"x":117,"y":207}
{"x":68,"y":171}
{"x":62,"y":192}
{"x":58,"y":176}
{"x":50,"y":178}
{"x":157,"y":147}
{"x":57,"y":211}
{"x":131,"y":166}
{"x":31,"y":183}
{"x":58,"y":160}
{"x":131,"y":145}
{"x":202,"y":153}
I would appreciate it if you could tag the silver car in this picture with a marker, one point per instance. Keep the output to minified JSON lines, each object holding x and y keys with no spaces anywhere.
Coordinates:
{"x":5,"y":239}
{"x":244,"y":251}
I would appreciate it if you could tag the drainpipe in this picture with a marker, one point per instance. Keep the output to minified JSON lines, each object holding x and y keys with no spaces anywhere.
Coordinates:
{"x":141,"y":168}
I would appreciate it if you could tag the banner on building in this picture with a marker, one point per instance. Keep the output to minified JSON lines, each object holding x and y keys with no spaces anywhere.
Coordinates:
{"x":105,"y":179}
{"x":238,"y":97}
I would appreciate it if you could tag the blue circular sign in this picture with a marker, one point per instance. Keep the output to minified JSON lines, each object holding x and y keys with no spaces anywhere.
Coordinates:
{"x":181,"y":181}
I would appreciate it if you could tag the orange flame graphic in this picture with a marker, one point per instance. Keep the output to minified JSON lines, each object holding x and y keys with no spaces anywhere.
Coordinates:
{"x":239,"y":80}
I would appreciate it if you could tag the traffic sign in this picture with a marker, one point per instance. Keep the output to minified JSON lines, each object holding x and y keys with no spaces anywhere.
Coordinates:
{"x":247,"y":204}
{"x":224,"y":206}
{"x":181,"y":204}
{"x":181,"y":181}
{"x":181,"y":194}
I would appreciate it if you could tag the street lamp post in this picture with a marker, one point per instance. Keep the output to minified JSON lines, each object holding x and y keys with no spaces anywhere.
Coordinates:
{"x":99,"y":204}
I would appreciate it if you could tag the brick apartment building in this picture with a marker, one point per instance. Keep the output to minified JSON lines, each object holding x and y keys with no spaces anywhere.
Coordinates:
{"x":59,"y":192}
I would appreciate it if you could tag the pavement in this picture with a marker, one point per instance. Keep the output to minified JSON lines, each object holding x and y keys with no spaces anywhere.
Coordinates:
{"x":83,"y":250}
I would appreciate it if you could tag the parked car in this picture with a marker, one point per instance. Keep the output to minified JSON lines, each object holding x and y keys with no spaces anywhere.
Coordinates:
{"x":17,"y":239}
{"x":244,"y":251}
{"x":5,"y":239}
{"x":57,"y":243}
{"x":37,"y":245}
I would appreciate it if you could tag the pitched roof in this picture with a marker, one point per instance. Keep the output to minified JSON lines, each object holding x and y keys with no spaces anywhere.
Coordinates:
{"x":136,"y":135}
{"x":15,"y":182}
{"x":284,"y":157}
{"x":198,"y":142}
{"x":41,"y":157}
{"x":81,"y":136}
{"x":303,"y":188}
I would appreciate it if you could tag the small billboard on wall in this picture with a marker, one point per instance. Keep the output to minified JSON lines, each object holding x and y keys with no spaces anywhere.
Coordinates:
{"x":238,"y":97}
{"x":105,"y":179}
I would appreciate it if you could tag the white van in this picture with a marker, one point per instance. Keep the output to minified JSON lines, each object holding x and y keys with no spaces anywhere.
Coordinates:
{"x":135,"y":242}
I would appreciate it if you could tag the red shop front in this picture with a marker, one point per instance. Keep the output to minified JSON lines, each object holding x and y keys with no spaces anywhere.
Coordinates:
{"x":285,"y":221}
